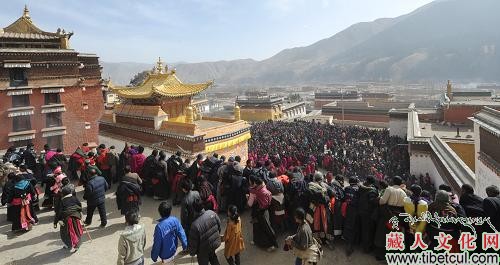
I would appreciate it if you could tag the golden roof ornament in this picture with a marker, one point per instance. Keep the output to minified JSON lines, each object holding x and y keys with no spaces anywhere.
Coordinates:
{"x":159,"y":67}
{"x":26,"y":12}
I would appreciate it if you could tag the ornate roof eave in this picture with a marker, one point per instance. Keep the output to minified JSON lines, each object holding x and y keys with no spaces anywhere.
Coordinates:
{"x":164,"y":90}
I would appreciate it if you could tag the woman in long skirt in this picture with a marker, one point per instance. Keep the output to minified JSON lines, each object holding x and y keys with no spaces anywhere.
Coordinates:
{"x":260,"y":200}
{"x":23,"y":214}
{"x":68,"y":216}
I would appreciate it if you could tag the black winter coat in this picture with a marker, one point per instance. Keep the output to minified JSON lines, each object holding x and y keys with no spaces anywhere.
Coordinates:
{"x":491,"y":206}
{"x":204,"y":236}
{"x":95,"y":190}
{"x":368,"y":200}
{"x":124,"y":190}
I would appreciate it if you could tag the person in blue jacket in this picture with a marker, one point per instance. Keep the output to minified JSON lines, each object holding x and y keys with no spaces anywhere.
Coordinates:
{"x":167,"y":232}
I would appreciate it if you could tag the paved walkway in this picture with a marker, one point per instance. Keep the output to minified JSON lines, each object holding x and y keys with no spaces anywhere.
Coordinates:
{"x":42,"y":245}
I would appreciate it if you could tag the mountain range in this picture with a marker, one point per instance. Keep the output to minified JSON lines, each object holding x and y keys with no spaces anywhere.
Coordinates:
{"x":446,"y":39}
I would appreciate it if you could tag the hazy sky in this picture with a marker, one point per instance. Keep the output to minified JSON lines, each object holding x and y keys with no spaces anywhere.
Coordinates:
{"x":199,"y":30}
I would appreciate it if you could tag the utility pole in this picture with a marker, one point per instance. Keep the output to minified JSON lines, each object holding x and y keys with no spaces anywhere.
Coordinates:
{"x":342,"y":102}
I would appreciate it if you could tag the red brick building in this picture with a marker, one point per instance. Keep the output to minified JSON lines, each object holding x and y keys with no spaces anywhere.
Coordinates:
{"x":49,"y":93}
{"x":458,"y":106}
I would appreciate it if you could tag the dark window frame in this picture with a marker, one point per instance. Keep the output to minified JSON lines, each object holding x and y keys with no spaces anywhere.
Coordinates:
{"x":52,"y":98}
{"x":21,"y":123}
{"x":53,"y":119}
{"x":18,"y":76}
{"x":19,"y":101}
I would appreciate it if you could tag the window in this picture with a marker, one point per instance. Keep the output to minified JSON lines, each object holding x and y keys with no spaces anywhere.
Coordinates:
{"x":54,"y":119}
{"x":52,"y":98}
{"x":55,"y":142}
{"x":21,"y":123}
{"x":18,"y":77}
{"x":20,"y":101}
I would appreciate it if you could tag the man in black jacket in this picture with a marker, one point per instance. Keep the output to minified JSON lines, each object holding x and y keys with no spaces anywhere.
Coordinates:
{"x":95,"y":194}
{"x":491,"y":205}
{"x":204,"y":235}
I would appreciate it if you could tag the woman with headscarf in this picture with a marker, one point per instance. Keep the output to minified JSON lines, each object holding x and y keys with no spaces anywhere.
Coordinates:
{"x":260,"y":200}
{"x":68,"y":217}
{"x":443,"y":208}
{"x":23,"y":214}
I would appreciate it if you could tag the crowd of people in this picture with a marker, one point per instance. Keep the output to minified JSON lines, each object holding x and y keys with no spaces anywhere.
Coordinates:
{"x":349,"y":151}
{"x":281,"y":183}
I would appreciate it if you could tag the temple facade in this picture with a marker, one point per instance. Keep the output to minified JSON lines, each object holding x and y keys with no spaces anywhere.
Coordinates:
{"x":49,"y":93}
{"x":261,"y":108}
{"x":159,"y":113}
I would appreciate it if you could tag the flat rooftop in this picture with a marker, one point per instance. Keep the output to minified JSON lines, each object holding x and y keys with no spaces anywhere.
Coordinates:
{"x":482,"y":102}
{"x":205,"y":124}
{"x":428,"y":129}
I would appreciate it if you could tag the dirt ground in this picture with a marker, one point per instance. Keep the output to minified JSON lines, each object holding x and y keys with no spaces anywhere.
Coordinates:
{"x":42,"y":244}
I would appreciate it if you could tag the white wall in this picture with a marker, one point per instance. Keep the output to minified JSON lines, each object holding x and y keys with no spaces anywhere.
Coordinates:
{"x":421,"y":163}
{"x":477,"y":142}
{"x":485,"y":177}
{"x":398,"y":127}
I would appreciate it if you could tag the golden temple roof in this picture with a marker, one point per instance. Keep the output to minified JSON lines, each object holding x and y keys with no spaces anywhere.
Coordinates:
{"x":160,"y":82}
{"x":24,"y":28}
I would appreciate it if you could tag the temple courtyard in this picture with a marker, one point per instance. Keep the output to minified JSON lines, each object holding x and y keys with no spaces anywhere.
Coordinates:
{"x":42,"y":244}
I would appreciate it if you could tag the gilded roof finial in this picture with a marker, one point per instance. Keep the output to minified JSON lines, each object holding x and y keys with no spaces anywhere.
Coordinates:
{"x":26,"y":12}
{"x":159,"y":66}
